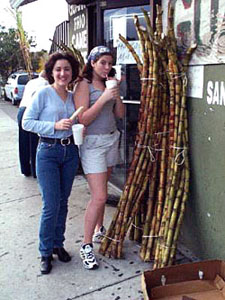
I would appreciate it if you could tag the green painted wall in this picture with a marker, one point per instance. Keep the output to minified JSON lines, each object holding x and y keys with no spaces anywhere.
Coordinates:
{"x":203,"y":230}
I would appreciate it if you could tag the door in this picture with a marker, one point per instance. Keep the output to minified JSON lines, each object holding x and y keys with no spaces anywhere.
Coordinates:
{"x":120,"y":20}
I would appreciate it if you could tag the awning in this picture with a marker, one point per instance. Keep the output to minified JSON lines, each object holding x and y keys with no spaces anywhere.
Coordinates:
{"x":17,"y":3}
{"x":78,"y":2}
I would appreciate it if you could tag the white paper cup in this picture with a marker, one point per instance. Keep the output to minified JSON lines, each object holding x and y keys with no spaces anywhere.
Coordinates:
{"x":78,"y":133}
{"x":111,"y":83}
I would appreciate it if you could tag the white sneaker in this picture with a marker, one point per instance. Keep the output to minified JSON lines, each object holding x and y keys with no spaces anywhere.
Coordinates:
{"x":88,"y":257}
{"x":98,"y":236}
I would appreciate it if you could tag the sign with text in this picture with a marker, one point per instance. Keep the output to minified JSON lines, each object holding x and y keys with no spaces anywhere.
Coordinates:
{"x":124,"y":56}
{"x":79,"y":30}
{"x":215,"y":92}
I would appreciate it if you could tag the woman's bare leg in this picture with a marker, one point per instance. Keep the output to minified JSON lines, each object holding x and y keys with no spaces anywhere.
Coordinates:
{"x":100,"y":220}
{"x":95,"y":209}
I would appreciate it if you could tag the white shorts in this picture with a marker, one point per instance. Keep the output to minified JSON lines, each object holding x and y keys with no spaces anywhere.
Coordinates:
{"x":98,"y":152}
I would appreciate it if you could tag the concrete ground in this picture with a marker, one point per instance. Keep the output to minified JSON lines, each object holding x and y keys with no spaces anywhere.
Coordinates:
{"x":20,"y":206}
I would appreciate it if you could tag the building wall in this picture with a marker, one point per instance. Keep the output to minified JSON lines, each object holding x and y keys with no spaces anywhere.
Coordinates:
{"x":203,"y":23}
{"x":204,"y":225}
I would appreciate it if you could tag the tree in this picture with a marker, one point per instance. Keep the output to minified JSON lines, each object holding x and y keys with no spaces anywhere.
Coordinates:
{"x":11,"y":58}
{"x":38,"y":60}
{"x":10,"y":55}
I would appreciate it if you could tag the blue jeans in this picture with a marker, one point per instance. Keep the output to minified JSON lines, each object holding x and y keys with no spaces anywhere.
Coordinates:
{"x":56,"y":168}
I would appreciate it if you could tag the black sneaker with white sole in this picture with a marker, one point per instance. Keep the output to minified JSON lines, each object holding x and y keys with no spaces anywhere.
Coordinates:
{"x":88,"y":257}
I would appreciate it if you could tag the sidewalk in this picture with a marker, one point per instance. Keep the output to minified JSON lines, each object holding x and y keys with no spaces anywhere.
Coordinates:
{"x":20,"y":207}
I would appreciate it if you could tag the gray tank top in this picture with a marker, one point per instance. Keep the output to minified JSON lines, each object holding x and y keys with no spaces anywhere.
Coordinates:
{"x":105,"y":121}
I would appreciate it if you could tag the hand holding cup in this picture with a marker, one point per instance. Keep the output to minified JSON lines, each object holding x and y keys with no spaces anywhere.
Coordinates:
{"x":111,"y":83}
{"x":78,"y":133}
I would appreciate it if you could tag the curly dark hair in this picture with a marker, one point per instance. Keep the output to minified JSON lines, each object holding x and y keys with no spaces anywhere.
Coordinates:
{"x":58,"y":56}
{"x":88,"y":69}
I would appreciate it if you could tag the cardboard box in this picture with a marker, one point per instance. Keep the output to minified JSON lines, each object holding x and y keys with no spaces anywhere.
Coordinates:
{"x":182,"y":282}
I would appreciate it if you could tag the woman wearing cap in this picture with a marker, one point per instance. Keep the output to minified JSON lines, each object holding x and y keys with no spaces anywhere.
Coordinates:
{"x":99,"y":151}
{"x":57,"y":155}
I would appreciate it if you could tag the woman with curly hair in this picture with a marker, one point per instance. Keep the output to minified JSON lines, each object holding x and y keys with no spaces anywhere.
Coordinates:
{"x":57,"y":155}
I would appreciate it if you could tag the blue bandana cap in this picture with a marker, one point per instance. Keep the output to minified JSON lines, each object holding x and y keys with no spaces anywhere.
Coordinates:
{"x":98,"y":51}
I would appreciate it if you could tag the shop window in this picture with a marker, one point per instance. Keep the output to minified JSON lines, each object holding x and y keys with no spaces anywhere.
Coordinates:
{"x":127,"y":128}
{"x":121,"y":21}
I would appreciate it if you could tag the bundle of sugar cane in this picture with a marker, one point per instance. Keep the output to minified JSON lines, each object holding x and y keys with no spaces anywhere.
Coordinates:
{"x":153,"y":200}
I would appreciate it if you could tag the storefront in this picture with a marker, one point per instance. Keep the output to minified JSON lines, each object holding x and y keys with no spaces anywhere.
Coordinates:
{"x":202,"y":23}
{"x":100,"y":22}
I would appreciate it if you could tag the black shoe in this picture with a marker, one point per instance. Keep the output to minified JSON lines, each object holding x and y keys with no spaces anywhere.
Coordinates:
{"x":63,"y":255}
{"x":46,"y":265}
{"x":27,"y":174}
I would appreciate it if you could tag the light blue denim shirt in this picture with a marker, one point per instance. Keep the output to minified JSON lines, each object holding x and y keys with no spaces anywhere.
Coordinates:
{"x":45,"y":109}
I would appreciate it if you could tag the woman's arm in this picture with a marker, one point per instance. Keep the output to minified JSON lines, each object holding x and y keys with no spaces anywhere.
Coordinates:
{"x":81,"y":98}
{"x":31,"y":122}
{"x":42,"y":115}
{"x":119,"y":108}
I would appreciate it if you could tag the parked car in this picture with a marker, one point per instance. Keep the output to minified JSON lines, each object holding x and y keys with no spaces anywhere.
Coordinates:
{"x":14,"y":86}
{"x":1,"y":87}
